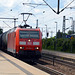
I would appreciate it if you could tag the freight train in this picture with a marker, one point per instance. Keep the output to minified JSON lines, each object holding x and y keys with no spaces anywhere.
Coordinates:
{"x":22,"y":41}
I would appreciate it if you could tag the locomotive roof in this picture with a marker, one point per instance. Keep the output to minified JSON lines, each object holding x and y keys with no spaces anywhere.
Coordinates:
{"x":28,"y":28}
{"x":18,"y":28}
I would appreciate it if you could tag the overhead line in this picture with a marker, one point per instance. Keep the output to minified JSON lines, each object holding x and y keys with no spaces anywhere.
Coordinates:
{"x":58,"y":6}
{"x":8,"y":18}
{"x":32,"y":4}
{"x":49,"y":6}
{"x":67,"y":5}
{"x":7,"y":24}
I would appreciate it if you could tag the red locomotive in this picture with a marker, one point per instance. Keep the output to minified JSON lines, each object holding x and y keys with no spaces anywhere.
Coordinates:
{"x":22,"y":41}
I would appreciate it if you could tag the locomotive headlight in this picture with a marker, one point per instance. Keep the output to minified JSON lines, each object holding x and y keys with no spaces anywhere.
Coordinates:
{"x":29,"y":40}
{"x":21,"y":47}
{"x":36,"y":47}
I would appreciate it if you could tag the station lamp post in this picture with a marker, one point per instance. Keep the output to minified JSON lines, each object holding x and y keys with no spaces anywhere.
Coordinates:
{"x":46,"y":37}
{"x":56,"y":37}
{"x":56,"y":30}
{"x":72,"y":25}
{"x":46,"y":31}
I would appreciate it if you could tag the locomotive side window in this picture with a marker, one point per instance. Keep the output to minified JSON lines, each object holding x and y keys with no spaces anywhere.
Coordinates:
{"x":29,"y":34}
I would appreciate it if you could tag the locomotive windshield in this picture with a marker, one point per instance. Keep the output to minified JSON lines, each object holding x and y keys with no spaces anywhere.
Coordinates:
{"x":29,"y":34}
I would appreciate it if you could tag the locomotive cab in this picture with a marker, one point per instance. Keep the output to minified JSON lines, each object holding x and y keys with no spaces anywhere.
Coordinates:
{"x":25,"y":42}
{"x":29,"y":43}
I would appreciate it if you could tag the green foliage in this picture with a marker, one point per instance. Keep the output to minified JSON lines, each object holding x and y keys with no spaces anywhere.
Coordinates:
{"x":59,"y":44}
{"x":65,"y":45}
{"x":59,"y":34}
{"x":70,"y":32}
{"x":73,"y":45}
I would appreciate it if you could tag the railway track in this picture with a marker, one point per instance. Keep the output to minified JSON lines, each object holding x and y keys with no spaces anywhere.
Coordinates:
{"x":48,"y":70}
{"x":39,"y":65}
{"x":67,"y":62}
{"x":42,"y":65}
{"x":60,"y":60}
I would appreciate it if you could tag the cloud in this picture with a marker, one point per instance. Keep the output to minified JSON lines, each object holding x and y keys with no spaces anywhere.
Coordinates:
{"x":49,"y":17}
{"x":66,"y":2}
{"x":38,"y":1}
{"x":10,"y":3}
{"x":37,"y":10}
{"x":7,"y":3}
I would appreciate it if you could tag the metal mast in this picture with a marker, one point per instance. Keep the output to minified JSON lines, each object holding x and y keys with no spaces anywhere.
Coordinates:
{"x":13,"y":19}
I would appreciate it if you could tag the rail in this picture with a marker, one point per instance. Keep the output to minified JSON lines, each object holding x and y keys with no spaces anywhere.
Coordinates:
{"x":66,"y":61}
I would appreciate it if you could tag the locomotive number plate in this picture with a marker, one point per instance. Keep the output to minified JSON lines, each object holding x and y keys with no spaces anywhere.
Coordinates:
{"x":29,"y":43}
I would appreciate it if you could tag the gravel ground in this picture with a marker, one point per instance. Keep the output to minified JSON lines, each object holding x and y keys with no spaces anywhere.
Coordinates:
{"x":59,"y":67}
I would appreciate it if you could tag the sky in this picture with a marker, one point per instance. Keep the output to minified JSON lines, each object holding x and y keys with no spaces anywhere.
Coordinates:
{"x":44,"y":14}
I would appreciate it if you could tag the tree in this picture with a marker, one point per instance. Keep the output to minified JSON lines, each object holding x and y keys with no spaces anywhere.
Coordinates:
{"x":59,"y":34}
{"x":70,"y":32}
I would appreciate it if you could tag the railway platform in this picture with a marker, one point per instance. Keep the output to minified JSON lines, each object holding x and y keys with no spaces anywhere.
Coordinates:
{"x":12,"y":66}
{"x":61,"y":54}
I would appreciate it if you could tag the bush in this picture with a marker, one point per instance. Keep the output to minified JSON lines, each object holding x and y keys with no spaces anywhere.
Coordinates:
{"x":65,"y":45}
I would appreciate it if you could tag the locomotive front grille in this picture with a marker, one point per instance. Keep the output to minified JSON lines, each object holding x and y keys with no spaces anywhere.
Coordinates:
{"x":30,"y":53}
